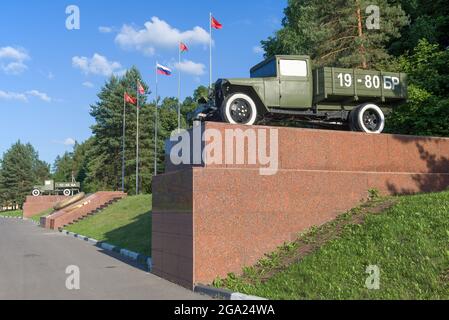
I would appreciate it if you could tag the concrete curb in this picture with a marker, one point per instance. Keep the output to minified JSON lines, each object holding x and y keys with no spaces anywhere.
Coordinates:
{"x":134,"y":256}
{"x":36,"y":223}
{"x":21,"y":218}
{"x":225,"y":294}
{"x":10,"y":217}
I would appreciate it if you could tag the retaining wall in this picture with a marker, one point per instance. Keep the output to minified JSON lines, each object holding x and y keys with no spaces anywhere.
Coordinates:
{"x":36,"y":205}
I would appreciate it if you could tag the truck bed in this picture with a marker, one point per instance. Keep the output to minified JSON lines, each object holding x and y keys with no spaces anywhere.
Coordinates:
{"x":338,"y":85}
{"x":67,"y":185}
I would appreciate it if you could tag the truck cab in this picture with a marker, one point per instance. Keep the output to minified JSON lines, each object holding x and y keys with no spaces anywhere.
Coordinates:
{"x":287,"y":81}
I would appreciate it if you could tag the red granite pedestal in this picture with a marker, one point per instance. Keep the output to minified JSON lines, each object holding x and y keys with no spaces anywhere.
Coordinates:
{"x":210,"y":220}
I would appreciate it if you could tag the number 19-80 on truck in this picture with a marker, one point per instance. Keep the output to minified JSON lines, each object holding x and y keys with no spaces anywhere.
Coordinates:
{"x":287,"y":87}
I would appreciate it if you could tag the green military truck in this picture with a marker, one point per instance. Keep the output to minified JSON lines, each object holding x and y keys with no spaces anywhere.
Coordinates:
{"x":286,"y":87}
{"x":59,"y":188}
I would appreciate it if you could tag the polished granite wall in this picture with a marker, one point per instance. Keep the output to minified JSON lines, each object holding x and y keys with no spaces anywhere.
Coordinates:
{"x":213,"y":219}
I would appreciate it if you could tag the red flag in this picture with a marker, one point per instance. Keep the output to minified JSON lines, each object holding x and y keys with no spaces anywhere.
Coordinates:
{"x":140,"y":88}
{"x":183,"y":47}
{"x":130,"y":99}
{"x":215,"y":24}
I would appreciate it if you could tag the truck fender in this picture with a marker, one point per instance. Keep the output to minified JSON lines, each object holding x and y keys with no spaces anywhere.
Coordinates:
{"x":248,"y":90}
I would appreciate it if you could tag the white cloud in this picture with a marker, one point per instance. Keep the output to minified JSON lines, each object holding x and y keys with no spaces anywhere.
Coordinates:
{"x":69,"y":142}
{"x":190,"y":67}
{"x":14,"y":68}
{"x":41,"y":95}
{"x":88,"y":84}
{"x":11,"y":53}
{"x":103,"y":29}
{"x":98,"y":65}
{"x":23,"y":97}
{"x":158,"y":34}
{"x":13,"y":96}
{"x":12,"y":60}
{"x":258,"y":50}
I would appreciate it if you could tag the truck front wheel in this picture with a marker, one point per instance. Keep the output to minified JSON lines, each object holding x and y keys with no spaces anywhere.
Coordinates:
{"x":367,"y":118}
{"x":239,"y":108}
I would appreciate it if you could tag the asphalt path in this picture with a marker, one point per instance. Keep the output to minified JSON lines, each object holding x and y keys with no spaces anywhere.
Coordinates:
{"x":38,"y":264}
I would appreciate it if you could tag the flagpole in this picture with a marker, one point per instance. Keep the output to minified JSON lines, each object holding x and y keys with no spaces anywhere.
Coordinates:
{"x":156,"y":122}
{"x":210,"y":50}
{"x":123,"y":143}
{"x":179,"y":89}
{"x":137,"y":143}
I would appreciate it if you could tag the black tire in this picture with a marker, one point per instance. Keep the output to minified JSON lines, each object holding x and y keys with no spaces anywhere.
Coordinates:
{"x":239,"y":108}
{"x":367,"y":118}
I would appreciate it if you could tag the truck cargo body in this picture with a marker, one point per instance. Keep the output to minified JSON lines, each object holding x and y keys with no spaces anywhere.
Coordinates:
{"x":67,"y":185}
{"x":353,"y":86}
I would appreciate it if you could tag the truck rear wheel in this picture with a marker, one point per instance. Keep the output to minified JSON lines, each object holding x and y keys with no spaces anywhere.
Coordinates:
{"x":36,"y":193}
{"x":367,"y":118}
{"x":67,"y":192}
{"x":239,"y":108}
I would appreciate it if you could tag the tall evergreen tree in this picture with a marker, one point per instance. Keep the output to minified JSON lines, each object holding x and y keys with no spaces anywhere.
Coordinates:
{"x":63,"y":167}
{"x":426,"y":113}
{"x":80,"y":161}
{"x":334,"y":32}
{"x":429,"y":20}
{"x":105,"y":155}
{"x":20,"y":170}
{"x":73,"y":164}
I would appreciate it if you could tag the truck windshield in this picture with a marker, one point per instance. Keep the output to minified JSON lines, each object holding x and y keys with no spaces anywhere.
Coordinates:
{"x":266,"y":70}
{"x":293,"y":68}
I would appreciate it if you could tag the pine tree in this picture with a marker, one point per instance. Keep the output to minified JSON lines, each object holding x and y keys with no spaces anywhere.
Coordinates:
{"x":63,"y":168}
{"x":20,"y":170}
{"x":104,"y":168}
{"x":334,"y":32}
{"x":429,"y":20}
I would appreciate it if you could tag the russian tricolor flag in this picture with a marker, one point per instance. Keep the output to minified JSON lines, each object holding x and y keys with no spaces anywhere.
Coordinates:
{"x":163,"y":70}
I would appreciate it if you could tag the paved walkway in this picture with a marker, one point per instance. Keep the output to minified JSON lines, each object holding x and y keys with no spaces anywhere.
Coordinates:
{"x":33,"y":263}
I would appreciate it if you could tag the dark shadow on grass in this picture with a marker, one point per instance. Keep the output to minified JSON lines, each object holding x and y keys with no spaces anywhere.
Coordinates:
{"x":437,"y":166}
{"x":135,"y":236}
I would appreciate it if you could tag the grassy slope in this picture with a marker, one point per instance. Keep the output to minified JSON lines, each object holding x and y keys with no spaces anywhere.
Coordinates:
{"x":37,"y":218}
{"x":17,"y":214}
{"x":126,"y":224}
{"x":409,"y":242}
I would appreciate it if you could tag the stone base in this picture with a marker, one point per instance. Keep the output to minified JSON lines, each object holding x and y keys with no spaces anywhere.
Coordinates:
{"x":36,"y":205}
{"x":212,"y":220}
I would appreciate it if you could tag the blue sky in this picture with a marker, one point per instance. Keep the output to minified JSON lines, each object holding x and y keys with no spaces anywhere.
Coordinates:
{"x":49,"y":75}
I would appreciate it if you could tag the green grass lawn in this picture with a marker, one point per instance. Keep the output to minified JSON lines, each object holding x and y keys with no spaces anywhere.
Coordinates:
{"x":37,"y":218}
{"x":409,"y":242}
{"x":16,"y":214}
{"x":126,"y":224}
